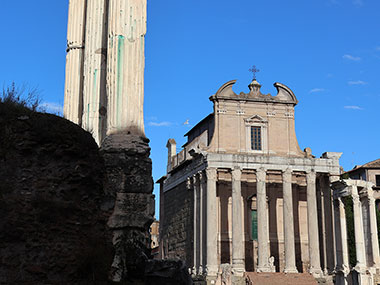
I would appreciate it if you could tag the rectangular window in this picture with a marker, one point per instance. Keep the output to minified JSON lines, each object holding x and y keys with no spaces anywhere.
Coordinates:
{"x":378,"y":180}
{"x":256,"y":138}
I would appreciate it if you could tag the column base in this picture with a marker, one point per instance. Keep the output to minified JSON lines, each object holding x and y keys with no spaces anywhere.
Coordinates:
{"x":316,"y":272}
{"x":291,"y":270}
{"x":211,"y":280}
{"x":238,"y":268}
{"x":265,"y":269}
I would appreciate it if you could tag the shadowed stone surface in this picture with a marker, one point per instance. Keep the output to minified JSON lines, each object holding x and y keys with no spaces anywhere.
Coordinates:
{"x":129,"y":180}
{"x":52,"y":206}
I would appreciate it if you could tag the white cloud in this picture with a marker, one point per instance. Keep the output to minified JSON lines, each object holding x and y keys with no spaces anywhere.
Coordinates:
{"x":353,"y":107}
{"x":357,"y":82}
{"x":52,"y":107}
{"x":315,"y":90}
{"x":351,"y":57}
{"x":160,"y":124}
{"x":358,"y":2}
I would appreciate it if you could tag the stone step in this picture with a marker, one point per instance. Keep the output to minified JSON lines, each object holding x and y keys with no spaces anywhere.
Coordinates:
{"x":278,"y":278}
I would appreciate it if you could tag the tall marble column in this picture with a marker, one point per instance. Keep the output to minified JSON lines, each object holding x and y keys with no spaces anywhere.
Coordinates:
{"x":94,"y":83}
{"x":332,"y":178}
{"x":341,"y":242}
{"x":290,"y":255}
{"x":212,"y":224}
{"x":312,"y":222}
{"x":373,"y":228}
{"x":125,"y":65}
{"x":262,"y":222}
{"x":73,"y":104}
{"x":238,"y":266}
{"x":359,"y":234}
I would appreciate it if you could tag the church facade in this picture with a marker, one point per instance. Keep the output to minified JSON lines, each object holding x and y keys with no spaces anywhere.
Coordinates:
{"x":242,"y":194}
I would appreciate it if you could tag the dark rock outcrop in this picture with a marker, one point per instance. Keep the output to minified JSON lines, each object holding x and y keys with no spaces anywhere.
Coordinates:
{"x":52,"y":206}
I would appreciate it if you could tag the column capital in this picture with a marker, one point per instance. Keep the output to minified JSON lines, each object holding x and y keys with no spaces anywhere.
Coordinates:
{"x":333,"y":177}
{"x":371,"y":201}
{"x":261,"y":174}
{"x":236,"y":173}
{"x":211,"y":173}
{"x":287,"y":175}
{"x":369,"y":191}
{"x":311,"y":175}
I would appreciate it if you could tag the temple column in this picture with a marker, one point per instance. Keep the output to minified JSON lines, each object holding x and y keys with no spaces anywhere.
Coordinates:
{"x":196,"y":223}
{"x":212,"y":225}
{"x":373,"y":228}
{"x":290,"y":257}
{"x":73,"y":106}
{"x":125,"y":65}
{"x":312,"y":224}
{"x":359,"y":234}
{"x":332,"y":178}
{"x":262,"y":222}
{"x":238,"y":266}
{"x":341,"y":246}
{"x":94,"y":74}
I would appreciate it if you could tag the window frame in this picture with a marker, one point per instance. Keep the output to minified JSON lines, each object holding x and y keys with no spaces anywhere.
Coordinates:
{"x":256,"y":121}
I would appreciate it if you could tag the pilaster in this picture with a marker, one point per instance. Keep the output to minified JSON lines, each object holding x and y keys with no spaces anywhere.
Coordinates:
{"x":212,"y":226}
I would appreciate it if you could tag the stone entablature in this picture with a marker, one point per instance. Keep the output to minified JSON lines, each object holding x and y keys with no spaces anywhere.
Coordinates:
{"x":329,"y":164}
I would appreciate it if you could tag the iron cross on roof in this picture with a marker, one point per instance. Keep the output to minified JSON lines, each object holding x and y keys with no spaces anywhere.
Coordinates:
{"x":254,"y":70}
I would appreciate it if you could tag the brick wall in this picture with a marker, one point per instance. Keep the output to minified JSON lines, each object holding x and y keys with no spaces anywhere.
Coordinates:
{"x":177,"y":224}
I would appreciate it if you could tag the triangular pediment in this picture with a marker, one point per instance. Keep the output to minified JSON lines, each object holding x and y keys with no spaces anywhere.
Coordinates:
{"x":255,"y":119}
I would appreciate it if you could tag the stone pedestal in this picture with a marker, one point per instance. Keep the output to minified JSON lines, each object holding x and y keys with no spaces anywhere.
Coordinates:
{"x":129,"y":180}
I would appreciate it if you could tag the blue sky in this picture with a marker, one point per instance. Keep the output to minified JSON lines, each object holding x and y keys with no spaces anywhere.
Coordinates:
{"x":326,"y":51}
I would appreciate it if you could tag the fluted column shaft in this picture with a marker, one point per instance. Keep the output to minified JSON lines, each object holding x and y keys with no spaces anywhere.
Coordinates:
{"x":125,"y":65}
{"x":212,"y":223}
{"x":290,"y":257}
{"x":94,"y":84}
{"x":359,"y":234}
{"x":312,"y":221}
{"x":262,"y":222}
{"x":72,"y":109}
{"x":237,"y":224}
